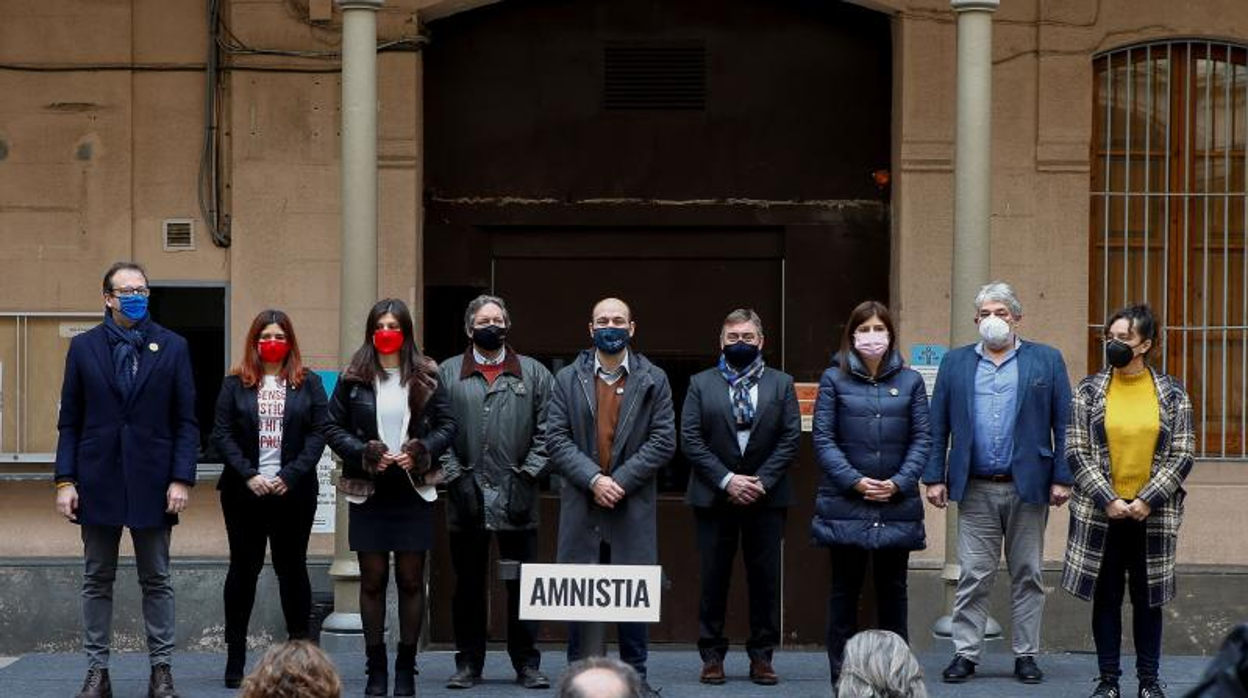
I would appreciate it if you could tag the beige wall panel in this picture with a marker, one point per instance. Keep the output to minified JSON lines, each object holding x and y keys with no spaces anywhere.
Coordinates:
{"x":291,"y":118}
{"x":171,"y":31}
{"x":928,"y":57}
{"x":168,"y":136}
{"x":34,"y":529}
{"x":925,"y":210}
{"x":65,"y":188}
{"x":284,"y":25}
{"x":65,"y":31}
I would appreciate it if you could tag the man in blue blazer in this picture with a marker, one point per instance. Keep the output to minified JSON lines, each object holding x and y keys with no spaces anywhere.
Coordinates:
{"x":126,"y":457}
{"x":1001,"y":408}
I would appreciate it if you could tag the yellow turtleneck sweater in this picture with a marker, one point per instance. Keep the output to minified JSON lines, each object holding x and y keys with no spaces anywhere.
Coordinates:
{"x":1132,"y":421}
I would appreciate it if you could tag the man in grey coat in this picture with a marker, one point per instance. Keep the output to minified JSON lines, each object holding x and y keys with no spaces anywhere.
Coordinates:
{"x":498,"y":399}
{"x":610,"y":427}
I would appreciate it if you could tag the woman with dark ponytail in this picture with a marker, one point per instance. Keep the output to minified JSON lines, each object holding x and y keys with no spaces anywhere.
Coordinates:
{"x":389,"y":421}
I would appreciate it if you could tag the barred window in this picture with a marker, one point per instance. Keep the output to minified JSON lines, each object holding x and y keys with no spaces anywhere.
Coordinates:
{"x":1169,"y":215}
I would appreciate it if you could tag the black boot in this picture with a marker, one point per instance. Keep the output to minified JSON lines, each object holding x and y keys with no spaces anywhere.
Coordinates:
{"x":405,"y":671}
{"x":378,"y":674}
{"x":235,"y":663}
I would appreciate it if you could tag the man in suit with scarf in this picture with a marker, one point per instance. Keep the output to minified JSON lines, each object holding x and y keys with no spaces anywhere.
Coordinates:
{"x":740,"y":428}
{"x":126,"y":458}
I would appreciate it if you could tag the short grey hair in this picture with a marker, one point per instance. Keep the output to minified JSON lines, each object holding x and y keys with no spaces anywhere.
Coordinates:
{"x":998,"y":292}
{"x":878,"y":663}
{"x":628,"y":676}
{"x":480,"y":302}
{"x":741,"y":315}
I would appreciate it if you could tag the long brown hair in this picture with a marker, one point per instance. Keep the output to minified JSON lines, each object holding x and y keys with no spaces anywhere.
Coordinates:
{"x":416,"y":371}
{"x":251,"y":368}
{"x":863,"y":312}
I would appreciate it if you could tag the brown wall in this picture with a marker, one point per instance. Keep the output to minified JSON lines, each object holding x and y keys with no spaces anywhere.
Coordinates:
{"x":94,"y":158}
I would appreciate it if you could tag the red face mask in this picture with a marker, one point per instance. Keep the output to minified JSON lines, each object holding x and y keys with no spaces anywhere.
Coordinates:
{"x":273,"y":351}
{"x":388,"y":341}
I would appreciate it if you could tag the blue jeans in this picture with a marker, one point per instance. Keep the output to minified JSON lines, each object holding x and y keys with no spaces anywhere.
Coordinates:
{"x":1125,"y":564}
{"x":634,"y":638}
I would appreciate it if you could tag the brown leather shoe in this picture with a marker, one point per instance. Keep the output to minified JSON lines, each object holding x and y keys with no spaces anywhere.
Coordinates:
{"x":96,"y":685}
{"x":160,"y":685}
{"x":761,"y":672}
{"x":712,"y":671}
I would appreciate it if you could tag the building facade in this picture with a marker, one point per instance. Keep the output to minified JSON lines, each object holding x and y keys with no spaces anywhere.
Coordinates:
{"x":690,"y":156}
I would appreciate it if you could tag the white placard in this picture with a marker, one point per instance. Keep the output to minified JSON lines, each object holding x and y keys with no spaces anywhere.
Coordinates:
{"x":323,"y":521}
{"x":929,"y":377}
{"x":69,"y":330}
{"x":602,"y":593}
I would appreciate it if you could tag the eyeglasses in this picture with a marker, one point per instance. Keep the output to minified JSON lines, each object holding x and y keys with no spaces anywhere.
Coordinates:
{"x":127,"y":291}
{"x":734,"y":337}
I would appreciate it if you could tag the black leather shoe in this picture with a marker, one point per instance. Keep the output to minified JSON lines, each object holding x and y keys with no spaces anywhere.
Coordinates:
{"x":530,"y":677}
{"x":1027,"y":671}
{"x":1107,"y":687}
{"x":464,"y":677}
{"x":959,"y":670}
{"x":160,"y":685}
{"x":1150,"y":688}
{"x":96,"y":685}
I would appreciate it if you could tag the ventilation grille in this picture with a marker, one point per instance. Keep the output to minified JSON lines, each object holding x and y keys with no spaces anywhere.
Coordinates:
{"x":179,"y":234}
{"x":653,"y":75}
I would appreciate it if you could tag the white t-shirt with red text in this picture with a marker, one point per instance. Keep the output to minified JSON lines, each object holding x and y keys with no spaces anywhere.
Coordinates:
{"x":272,"y":406}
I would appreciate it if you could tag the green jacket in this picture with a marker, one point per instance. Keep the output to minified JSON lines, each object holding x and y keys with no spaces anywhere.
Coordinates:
{"x":500,"y":446}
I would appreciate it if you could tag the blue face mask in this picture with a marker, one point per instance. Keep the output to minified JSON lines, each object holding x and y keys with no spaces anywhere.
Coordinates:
{"x":611,"y":340}
{"x":133,"y":307}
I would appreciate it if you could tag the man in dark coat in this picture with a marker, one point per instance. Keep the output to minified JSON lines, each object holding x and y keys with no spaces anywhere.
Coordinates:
{"x":610,"y":427}
{"x":740,"y":428}
{"x":126,"y":458}
{"x":498,"y":400}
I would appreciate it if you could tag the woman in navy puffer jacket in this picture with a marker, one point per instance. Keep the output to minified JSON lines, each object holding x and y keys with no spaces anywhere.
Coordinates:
{"x":871,"y":441}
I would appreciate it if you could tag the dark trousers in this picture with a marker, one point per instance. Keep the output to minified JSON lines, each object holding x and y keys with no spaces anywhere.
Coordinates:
{"x":849,"y":567}
{"x":284,"y":524}
{"x":470,"y":555}
{"x":634,"y":638}
{"x":1124,"y":564}
{"x":758,"y":530}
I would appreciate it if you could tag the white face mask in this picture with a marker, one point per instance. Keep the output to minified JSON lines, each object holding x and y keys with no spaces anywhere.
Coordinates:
{"x":995,"y":332}
{"x":871,"y":345}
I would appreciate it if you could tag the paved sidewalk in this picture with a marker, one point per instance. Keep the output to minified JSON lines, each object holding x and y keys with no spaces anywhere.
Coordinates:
{"x":675,"y":671}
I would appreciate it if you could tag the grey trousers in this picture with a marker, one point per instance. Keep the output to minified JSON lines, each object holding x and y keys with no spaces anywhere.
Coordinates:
{"x":989,"y":515}
{"x":151,"y":554}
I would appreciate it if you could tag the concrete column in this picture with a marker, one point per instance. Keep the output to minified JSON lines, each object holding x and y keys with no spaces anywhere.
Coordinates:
{"x":343,"y":630}
{"x":972,"y":213}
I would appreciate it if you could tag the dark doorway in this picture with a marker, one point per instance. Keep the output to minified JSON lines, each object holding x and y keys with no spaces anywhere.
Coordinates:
{"x":689,"y":156}
{"x":198,"y":313}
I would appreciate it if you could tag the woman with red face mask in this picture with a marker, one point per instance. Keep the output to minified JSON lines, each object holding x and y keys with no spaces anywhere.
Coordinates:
{"x":270,"y":416}
{"x":389,"y":422}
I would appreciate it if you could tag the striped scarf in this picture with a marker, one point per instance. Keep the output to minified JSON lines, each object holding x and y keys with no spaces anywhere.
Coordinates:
{"x":741,"y":382}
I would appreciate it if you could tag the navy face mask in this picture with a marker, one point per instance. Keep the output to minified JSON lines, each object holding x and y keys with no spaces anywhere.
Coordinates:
{"x":740,"y":354}
{"x":611,"y":340}
{"x":490,"y":337}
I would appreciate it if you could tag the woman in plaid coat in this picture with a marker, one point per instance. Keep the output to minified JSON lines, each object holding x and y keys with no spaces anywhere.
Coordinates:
{"x":1129,"y":444}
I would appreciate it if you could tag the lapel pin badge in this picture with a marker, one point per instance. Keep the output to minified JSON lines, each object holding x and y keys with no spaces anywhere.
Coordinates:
{"x":619,"y":391}
{"x":154,"y":346}
{"x":894,"y":392}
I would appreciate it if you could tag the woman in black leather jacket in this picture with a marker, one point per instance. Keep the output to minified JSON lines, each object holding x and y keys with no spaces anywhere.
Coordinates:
{"x":871,"y":442}
{"x":389,"y":421}
{"x":268,"y":423}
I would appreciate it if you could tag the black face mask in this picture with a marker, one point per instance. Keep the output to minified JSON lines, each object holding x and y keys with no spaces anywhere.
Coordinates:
{"x":739,"y":354}
{"x":490,"y":337}
{"x":1118,"y":353}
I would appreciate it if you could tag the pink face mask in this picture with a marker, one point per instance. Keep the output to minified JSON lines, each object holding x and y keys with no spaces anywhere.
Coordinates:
{"x":871,"y":345}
